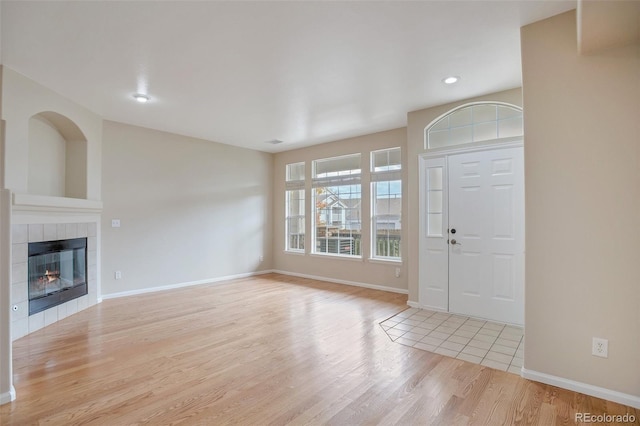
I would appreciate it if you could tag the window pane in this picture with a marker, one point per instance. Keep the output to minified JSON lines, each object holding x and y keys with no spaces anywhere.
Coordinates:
{"x":338,"y":166}
{"x":386,"y":159}
{"x":434,"y":226}
{"x":484,"y":113}
{"x":387,"y":215}
{"x":506,"y":112}
{"x":338,"y":222}
{"x":475,"y":123}
{"x":510,"y":127}
{"x":295,"y":171}
{"x":434,"y":201}
{"x":460,"y":135}
{"x":295,"y":220}
{"x":435,"y":178}
{"x":461,"y":117}
{"x":442,"y":124}
{"x":485,"y":131}
{"x":438,"y":139}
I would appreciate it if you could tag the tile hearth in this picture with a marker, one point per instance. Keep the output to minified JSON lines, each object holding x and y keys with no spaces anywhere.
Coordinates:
{"x":487,"y":343}
{"x":22,"y":234}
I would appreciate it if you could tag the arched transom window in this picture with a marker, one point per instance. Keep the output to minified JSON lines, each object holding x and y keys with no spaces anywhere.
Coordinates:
{"x":478,"y":122}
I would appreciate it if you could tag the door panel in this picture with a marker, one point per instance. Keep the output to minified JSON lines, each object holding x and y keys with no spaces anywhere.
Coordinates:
{"x":486,"y":209}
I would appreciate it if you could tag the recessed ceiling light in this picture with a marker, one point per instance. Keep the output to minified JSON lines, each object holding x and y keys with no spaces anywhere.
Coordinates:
{"x":451,"y":80}
{"x":274,"y":141}
{"x":141,"y":98}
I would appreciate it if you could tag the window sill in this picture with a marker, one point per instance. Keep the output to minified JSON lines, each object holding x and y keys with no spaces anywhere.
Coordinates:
{"x":295,"y":253}
{"x":338,"y":256}
{"x":385,"y":261}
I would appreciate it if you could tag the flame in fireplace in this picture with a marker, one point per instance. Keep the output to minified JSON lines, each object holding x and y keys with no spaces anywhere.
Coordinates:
{"x":51,"y":275}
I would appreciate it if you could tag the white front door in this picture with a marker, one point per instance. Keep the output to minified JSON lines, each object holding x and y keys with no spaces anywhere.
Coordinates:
{"x":486,"y":234}
{"x":481,"y":246}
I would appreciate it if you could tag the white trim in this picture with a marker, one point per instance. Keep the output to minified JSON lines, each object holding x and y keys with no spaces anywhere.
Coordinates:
{"x":345,"y":282}
{"x":218,"y":280}
{"x":431,"y":308}
{"x":391,"y":261}
{"x":8,"y":396}
{"x":349,"y":257}
{"x":46,"y":203}
{"x":7,"y":392}
{"x":481,"y":146}
{"x":585,"y":388}
{"x":439,"y":309}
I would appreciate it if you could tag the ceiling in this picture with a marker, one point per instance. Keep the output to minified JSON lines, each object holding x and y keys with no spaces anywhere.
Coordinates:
{"x":243,"y":73}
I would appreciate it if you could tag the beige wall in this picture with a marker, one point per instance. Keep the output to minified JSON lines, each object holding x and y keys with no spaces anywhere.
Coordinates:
{"x":190,"y":210}
{"x":47,"y":159}
{"x":416,"y":123}
{"x":582,"y":165}
{"x":362,"y":270}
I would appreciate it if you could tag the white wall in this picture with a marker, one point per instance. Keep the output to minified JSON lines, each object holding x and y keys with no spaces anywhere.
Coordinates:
{"x":190,"y":210}
{"x":23,"y":98}
{"x":582,"y":171}
{"x":7,"y":393}
{"x":47,"y":159}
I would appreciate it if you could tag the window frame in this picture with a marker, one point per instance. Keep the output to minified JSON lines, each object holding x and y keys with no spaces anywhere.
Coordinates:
{"x":432,"y":126}
{"x":388,"y":174}
{"x":292,"y":186}
{"x":336,"y":179}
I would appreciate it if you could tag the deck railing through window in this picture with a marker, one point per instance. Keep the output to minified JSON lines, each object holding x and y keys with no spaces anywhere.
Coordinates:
{"x":347,"y":242}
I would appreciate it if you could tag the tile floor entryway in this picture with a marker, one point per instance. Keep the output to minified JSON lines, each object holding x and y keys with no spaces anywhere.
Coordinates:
{"x":487,"y":343}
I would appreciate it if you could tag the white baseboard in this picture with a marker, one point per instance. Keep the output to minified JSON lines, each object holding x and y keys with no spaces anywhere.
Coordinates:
{"x":419,"y":306}
{"x":7,"y":397}
{"x":336,"y":281}
{"x":218,"y":280}
{"x":598,"y":392}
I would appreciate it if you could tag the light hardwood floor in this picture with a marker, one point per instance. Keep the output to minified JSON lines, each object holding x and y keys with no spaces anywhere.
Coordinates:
{"x":266,"y":350}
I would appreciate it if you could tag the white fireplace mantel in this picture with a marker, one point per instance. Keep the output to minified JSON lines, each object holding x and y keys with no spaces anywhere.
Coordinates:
{"x":30,"y":202}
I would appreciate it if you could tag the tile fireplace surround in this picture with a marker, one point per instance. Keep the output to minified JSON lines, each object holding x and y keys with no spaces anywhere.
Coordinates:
{"x":21,"y":322}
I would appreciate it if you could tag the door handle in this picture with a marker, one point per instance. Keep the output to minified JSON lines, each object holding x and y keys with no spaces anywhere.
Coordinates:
{"x":454,"y":242}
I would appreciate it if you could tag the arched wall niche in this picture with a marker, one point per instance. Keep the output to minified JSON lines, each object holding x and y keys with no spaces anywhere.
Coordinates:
{"x":57,"y":164}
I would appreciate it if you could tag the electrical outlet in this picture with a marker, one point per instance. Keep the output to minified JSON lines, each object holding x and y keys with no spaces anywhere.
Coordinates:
{"x":118,"y":275}
{"x":261,"y":258}
{"x":600,"y":347}
{"x":398,"y":272}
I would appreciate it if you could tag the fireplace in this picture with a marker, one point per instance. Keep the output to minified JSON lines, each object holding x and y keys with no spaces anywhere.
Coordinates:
{"x":57,"y":272}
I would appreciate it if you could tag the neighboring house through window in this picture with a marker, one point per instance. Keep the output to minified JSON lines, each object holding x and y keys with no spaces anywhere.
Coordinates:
{"x":337,"y":199}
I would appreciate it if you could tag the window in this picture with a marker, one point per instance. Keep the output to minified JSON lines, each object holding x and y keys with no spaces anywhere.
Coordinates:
{"x":386,"y":203}
{"x":337,"y":200}
{"x":475,"y":123}
{"x":295,"y":223}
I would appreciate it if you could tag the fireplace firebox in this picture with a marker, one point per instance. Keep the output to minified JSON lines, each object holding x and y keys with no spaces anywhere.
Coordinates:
{"x":57,"y":273}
